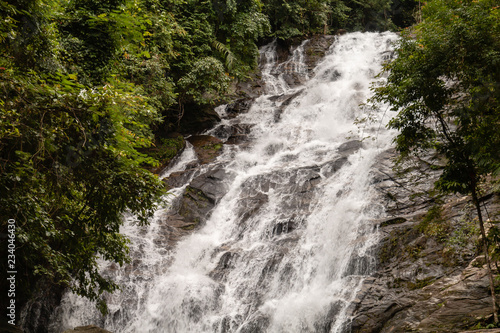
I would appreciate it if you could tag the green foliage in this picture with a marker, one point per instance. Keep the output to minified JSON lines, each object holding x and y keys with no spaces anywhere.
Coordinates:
{"x":434,"y":225}
{"x":238,"y":25}
{"x":290,"y":19}
{"x":166,"y":149}
{"x":70,"y":168}
{"x":462,"y":235}
{"x":296,"y":18}
{"x":494,"y":240}
{"x":205,"y":82}
{"x":70,"y":164}
{"x":445,"y":87}
{"x":444,"y":84}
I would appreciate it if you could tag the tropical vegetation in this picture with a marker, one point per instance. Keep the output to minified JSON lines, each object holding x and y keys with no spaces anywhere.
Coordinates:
{"x":87,"y":86}
{"x":444,"y":84}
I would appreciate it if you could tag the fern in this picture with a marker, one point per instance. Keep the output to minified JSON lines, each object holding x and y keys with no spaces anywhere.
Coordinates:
{"x":226,"y":53}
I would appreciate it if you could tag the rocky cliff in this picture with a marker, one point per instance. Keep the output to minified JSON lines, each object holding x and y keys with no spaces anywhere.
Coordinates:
{"x":429,"y":276}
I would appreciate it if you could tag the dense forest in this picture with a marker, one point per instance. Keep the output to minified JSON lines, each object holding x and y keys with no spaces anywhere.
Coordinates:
{"x":90,"y":92}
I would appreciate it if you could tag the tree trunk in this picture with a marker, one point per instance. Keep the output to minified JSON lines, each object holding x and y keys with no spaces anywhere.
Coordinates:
{"x":476,"y":203}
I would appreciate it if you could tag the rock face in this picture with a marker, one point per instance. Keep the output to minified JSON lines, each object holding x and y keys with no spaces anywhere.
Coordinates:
{"x":40,"y":307}
{"x":429,"y":276}
{"x":316,"y":49}
{"x":206,"y":147}
{"x":194,"y":206}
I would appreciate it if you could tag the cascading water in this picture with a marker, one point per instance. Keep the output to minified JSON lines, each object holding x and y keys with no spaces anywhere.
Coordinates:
{"x":287,"y":246}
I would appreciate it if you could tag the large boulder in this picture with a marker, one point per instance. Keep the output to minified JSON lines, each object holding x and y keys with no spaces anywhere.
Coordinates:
{"x":191,"y":209}
{"x":206,"y":147}
{"x":316,"y":49}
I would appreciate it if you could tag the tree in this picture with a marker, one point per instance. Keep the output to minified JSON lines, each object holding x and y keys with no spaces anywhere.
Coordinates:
{"x":70,"y":164}
{"x":445,"y":84}
{"x":296,"y":18}
{"x":369,"y":15}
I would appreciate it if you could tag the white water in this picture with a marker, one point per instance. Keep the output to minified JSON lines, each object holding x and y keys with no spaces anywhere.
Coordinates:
{"x":287,"y":247}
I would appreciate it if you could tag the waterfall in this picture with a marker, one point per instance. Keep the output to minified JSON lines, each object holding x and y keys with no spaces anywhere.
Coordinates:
{"x":288,"y":242}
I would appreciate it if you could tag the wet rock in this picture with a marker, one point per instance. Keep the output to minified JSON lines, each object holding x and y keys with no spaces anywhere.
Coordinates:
{"x":294,"y":79}
{"x":179,"y":178}
{"x":239,"y":134}
{"x":330,"y":168}
{"x":194,"y":206}
{"x":251,"y":87}
{"x":349,"y":147}
{"x":87,"y":329}
{"x":212,"y":184}
{"x":284,"y":227}
{"x":206,"y":147}
{"x":238,"y":107}
{"x":271,"y":266}
{"x":253,"y":203}
{"x":285,"y":101}
{"x":200,"y":197}
{"x":316,"y":49}
{"x":324,"y":325}
{"x":226,"y":263}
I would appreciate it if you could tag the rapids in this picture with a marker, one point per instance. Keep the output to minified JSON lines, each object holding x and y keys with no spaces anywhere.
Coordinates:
{"x":288,"y":243}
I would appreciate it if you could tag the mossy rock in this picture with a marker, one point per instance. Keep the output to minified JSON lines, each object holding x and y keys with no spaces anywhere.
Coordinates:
{"x":165,"y":150}
{"x":206,"y":147}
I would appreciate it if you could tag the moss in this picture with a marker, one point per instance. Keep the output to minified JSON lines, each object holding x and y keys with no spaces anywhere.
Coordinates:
{"x":419,"y":284}
{"x":413,"y":251}
{"x":386,"y":251}
{"x":166,"y":149}
{"x":434,"y":225}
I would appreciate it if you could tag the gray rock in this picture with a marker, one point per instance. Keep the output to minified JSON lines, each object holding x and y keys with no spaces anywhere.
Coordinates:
{"x":239,"y":106}
{"x":350,"y":147}
{"x":421,"y":282}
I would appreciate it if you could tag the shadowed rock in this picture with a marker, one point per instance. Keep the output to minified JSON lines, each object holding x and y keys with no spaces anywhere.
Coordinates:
{"x":206,"y":147}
